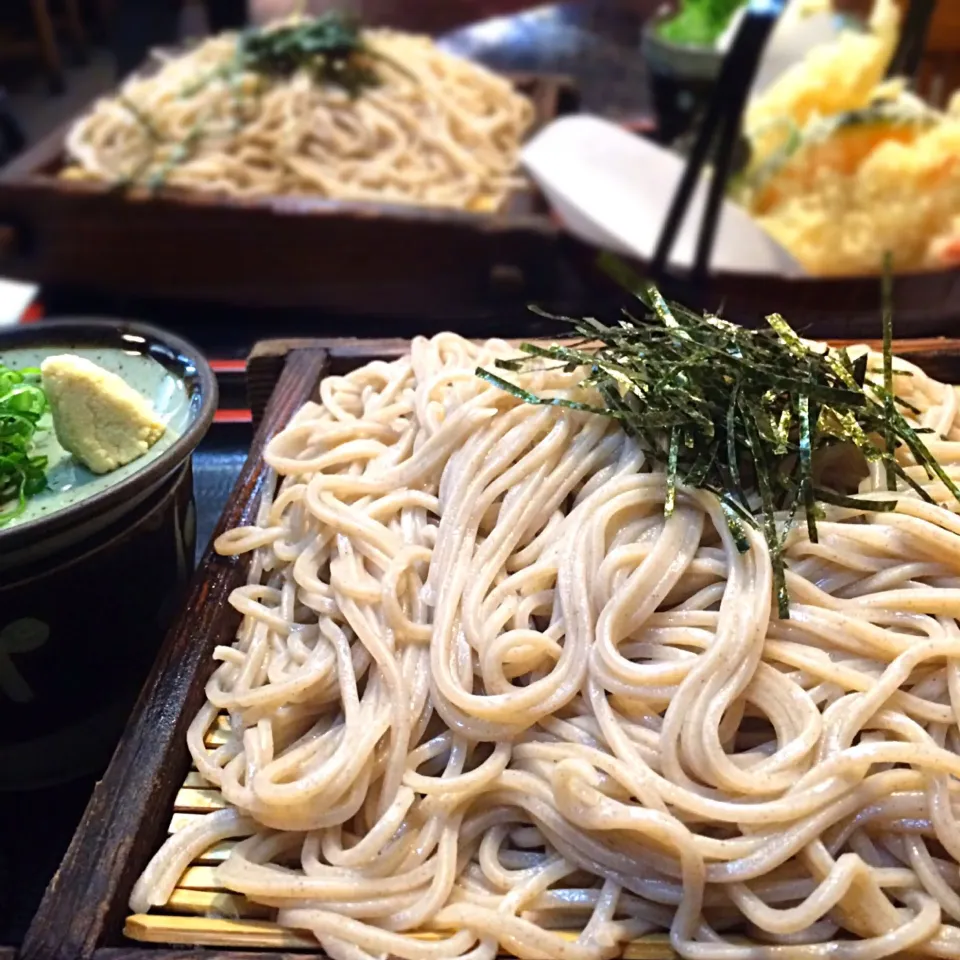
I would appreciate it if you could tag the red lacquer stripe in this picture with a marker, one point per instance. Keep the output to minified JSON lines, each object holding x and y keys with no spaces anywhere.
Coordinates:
{"x":232,"y":416}
{"x":228,"y":366}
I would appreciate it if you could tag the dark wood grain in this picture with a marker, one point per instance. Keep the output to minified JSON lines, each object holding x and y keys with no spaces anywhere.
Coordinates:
{"x":264,"y":367}
{"x":292,"y":252}
{"x":925,"y":304}
{"x":123,"y":824}
{"x":938,"y":356}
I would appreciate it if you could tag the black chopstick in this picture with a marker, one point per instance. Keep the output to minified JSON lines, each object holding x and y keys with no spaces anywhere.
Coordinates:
{"x":720,"y":126}
{"x":913,"y":39}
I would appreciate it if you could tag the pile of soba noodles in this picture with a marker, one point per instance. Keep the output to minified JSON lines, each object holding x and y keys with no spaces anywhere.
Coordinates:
{"x":484,"y":688}
{"x":433,"y":129}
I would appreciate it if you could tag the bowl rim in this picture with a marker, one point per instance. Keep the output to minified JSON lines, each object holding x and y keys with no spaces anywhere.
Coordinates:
{"x":154,"y":470}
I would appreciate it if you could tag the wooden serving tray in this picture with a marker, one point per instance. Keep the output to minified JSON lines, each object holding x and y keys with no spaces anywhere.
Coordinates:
{"x":925,"y":304}
{"x":149,"y":787}
{"x":282,"y":252}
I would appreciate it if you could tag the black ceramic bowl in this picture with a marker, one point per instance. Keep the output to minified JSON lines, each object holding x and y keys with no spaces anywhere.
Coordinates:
{"x":682,"y":78}
{"x":155,"y":363}
{"x":88,"y":586}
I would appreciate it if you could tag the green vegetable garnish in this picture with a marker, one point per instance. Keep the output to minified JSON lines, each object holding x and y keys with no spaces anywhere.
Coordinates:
{"x":329,"y":47}
{"x":699,"y":23}
{"x":22,"y":404}
{"x":741,"y":413}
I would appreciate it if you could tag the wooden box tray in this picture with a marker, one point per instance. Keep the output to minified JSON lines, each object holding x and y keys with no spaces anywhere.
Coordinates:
{"x":359,"y":258}
{"x":150,"y":788}
{"x":925,"y":304}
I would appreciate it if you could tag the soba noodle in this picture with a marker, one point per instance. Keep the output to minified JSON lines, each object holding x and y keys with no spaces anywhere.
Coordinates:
{"x":438,"y":130}
{"x":482,"y":687}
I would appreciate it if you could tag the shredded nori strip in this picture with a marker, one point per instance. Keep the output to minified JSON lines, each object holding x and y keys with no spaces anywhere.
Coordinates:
{"x":740,"y":413}
{"x":889,"y":437}
{"x":330,"y":47}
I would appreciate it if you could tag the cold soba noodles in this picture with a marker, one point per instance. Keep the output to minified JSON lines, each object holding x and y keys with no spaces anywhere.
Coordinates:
{"x":485,"y":687}
{"x":312,"y":107}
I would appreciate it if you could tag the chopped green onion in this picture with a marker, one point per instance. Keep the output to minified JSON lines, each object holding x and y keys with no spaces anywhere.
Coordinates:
{"x":22,"y":473}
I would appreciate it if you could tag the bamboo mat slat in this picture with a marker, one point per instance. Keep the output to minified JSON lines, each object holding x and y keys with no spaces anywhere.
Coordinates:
{"x":217,"y":738}
{"x":200,"y":878}
{"x":210,"y":903}
{"x":181,"y":820}
{"x":216,"y":854}
{"x":192,"y":800}
{"x":209,"y":932}
{"x":264,"y":935}
{"x":201,"y":913}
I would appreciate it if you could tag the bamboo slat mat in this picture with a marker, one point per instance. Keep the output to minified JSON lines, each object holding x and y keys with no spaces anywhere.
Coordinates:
{"x":202,"y":913}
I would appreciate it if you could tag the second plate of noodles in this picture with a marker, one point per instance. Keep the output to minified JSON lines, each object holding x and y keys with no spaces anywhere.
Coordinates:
{"x":312,"y":107}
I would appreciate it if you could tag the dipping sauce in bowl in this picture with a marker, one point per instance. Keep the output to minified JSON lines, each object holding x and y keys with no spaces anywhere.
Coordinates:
{"x":164,"y":370}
